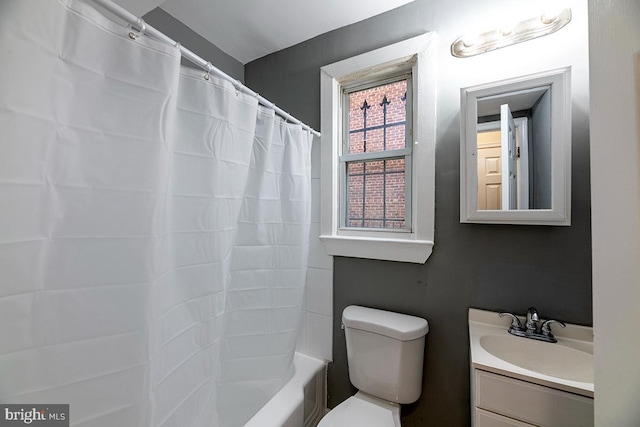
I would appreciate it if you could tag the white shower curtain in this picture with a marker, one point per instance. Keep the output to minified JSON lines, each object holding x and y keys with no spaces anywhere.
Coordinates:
{"x":153,"y":228}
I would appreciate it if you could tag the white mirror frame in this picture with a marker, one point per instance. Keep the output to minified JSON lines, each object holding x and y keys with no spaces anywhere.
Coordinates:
{"x":560,"y":212}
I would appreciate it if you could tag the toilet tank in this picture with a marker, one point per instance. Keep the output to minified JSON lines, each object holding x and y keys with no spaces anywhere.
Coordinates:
{"x":385,"y":352}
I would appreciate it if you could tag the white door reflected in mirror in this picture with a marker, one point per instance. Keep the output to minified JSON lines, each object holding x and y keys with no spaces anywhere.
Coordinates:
{"x":515,"y":151}
{"x":509,"y":159}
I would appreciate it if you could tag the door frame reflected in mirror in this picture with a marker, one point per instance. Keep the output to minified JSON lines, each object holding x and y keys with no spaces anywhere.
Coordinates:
{"x":558,"y":82}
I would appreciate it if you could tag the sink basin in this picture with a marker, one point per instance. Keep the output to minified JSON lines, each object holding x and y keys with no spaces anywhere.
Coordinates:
{"x":551,"y":359}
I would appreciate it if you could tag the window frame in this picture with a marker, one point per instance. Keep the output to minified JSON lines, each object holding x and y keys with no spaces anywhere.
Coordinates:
{"x":406,"y":153}
{"x":415,"y":245}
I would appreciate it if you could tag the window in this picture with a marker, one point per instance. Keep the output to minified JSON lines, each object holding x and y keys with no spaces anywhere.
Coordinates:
{"x":378,"y":142}
{"x":375,"y":152}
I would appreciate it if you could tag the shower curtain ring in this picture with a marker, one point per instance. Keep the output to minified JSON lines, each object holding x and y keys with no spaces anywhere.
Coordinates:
{"x":238,"y":85}
{"x":142,"y":27}
{"x":209,"y":69}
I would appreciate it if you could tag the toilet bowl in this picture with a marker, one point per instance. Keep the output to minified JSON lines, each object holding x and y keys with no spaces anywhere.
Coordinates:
{"x":363,"y":410}
{"x":385,"y":355}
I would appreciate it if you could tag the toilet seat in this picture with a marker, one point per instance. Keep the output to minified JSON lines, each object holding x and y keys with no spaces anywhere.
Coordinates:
{"x":363,"y":410}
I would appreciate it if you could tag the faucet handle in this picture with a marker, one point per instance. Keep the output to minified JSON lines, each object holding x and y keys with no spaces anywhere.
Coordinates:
{"x":516,"y":325}
{"x":546,"y":328}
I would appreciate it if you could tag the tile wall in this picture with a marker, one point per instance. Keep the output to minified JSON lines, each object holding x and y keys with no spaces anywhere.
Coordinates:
{"x":315,"y":337}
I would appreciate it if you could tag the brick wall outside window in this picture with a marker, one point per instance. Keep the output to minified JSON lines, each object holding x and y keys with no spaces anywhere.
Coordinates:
{"x":376,"y":189}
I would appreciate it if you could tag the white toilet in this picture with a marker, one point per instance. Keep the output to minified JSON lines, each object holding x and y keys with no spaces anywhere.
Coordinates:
{"x":385,"y":354}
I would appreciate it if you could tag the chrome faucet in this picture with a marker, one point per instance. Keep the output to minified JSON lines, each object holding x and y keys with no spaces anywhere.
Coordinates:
{"x":530,"y":328}
{"x":532,"y":321}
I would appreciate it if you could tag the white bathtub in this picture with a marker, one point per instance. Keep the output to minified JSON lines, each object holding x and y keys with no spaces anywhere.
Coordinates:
{"x":301,"y":402}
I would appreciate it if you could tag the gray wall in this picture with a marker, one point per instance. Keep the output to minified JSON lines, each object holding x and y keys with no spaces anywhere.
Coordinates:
{"x":179,"y":32}
{"x":541,"y":153}
{"x":485,"y":266}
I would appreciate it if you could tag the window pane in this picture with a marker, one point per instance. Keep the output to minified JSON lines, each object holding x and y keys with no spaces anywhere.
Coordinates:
{"x":376,"y":194}
{"x":377,"y":118}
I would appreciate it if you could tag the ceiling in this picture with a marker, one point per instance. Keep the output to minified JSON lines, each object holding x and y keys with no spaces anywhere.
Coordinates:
{"x":270,"y":26}
{"x":518,"y":101}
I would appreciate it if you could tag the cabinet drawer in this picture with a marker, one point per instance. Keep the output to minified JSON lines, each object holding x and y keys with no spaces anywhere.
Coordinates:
{"x":489,"y":419}
{"x":532,"y":403}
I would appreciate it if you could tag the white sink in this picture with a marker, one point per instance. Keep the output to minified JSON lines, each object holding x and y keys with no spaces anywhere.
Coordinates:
{"x":566,"y":365}
{"x":551,"y":359}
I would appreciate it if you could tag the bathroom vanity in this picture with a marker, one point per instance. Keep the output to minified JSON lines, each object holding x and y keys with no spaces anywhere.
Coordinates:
{"x":522,"y":382}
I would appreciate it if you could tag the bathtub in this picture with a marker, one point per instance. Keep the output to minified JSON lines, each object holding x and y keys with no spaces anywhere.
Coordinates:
{"x":301,"y":402}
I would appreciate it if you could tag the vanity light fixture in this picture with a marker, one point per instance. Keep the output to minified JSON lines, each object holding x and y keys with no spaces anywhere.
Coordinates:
{"x":538,"y":26}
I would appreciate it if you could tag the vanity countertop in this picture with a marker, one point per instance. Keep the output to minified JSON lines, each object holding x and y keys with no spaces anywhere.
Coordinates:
{"x":486,"y":327}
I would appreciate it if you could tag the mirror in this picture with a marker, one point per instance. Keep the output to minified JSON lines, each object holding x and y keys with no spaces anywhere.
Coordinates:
{"x":515,"y":156}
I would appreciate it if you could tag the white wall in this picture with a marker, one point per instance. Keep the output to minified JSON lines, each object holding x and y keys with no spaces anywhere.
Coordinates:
{"x":615,"y":197}
{"x":315,"y":338}
{"x":139,"y":7}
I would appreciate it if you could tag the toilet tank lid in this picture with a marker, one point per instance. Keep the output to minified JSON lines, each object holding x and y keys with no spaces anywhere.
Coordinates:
{"x":394,"y":325}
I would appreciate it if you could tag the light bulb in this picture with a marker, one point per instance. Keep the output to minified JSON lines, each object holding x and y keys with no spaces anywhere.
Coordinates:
{"x":470,"y":40}
{"x":550,"y":14}
{"x":506,"y":31}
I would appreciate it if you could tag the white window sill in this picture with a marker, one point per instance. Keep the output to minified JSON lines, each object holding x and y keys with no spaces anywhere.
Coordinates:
{"x":402,"y":250}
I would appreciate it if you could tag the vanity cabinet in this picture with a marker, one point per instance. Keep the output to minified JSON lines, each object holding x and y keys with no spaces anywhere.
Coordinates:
{"x":502,"y":401}
{"x":491,"y":419}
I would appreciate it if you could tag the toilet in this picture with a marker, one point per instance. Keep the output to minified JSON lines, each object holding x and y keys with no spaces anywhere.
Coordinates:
{"x":385,"y":354}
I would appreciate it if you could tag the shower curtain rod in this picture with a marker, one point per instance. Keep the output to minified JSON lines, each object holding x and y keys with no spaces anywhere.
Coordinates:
{"x":144,"y":28}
